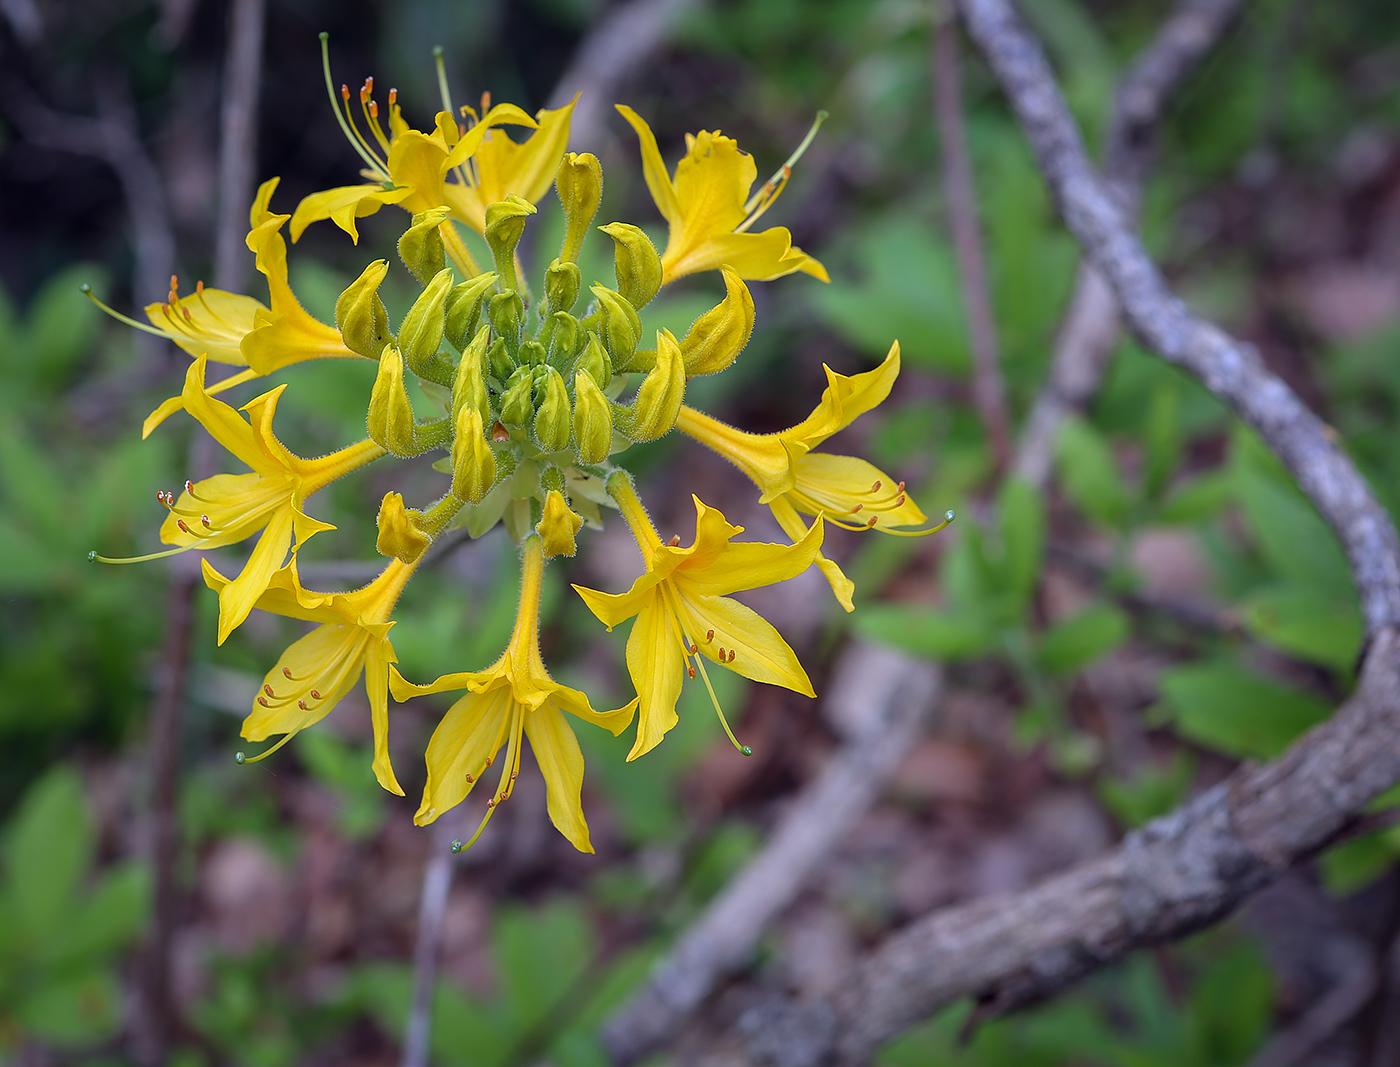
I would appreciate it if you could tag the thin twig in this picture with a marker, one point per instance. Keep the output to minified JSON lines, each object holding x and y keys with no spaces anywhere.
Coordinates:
{"x":1193,"y":867}
{"x":1295,"y":1043}
{"x":893,"y":694}
{"x":614,"y":51}
{"x":239,"y":128}
{"x":988,"y":391}
{"x":432,"y":907}
{"x":1090,"y":329}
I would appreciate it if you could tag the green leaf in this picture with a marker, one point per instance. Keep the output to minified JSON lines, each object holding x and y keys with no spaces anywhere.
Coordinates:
{"x":1089,"y":473}
{"x":1198,"y":499}
{"x":1072,"y":644}
{"x":1153,"y":791}
{"x":927,"y":632}
{"x":50,"y":850}
{"x":77,"y":1010}
{"x":1022,"y":512}
{"x":1319,"y":625}
{"x":1162,"y":436}
{"x":1355,"y":864}
{"x":110,"y":920}
{"x":63,"y":325}
{"x":1224,"y":707}
{"x":540,"y":954}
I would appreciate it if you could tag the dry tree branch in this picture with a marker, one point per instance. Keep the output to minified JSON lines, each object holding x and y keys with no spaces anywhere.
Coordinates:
{"x":610,"y":54}
{"x":884,"y":697}
{"x":988,"y":390}
{"x":238,"y":158}
{"x":1193,"y":867}
{"x":1090,"y":328}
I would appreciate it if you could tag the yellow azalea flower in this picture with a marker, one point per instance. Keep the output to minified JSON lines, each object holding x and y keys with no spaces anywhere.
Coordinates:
{"x":709,"y":211}
{"x":682,"y":612}
{"x":794,"y":478}
{"x":227,"y":508}
{"x":239,"y":330}
{"x":515,"y":696}
{"x":315,"y":672}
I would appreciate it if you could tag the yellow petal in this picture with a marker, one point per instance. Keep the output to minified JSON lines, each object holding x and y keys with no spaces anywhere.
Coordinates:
{"x":237,"y":505}
{"x":753,"y":256}
{"x":762,"y":457}
{"x":212,"y":323}
{"x":557,"y":752}
{"x":177,"y":403}
{"x":750,"y":564}
{"x":841,"y":586}
{"x":653,"y":168}
{"x":469,"y":734}
{"x":240,"y":596}
{"x":837,"y":484}
{"x":615,"y":608}
{"x":845,"y":399}
{"x":344,"y":205}
{"x":760,"y":652}
{"x":657,"y":666}
{"x":418,"y":162}
{"x":329,"y":660}
{"x":223,"y":423}
{"x":378,"y":656}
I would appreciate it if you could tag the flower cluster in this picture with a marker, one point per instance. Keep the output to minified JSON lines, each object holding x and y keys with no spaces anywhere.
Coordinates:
{"x":536,"y":408}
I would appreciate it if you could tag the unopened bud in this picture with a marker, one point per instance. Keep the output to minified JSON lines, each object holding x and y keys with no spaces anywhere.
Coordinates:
{"x":505,"y":222}
{"x":554,"y":419}
{"x":506,"y":312}
{"x":622,"y":327}
{"x":464,"y":308}
{"x":499,"y":360}
{"x":594,"y":362}
{"x":561,"y":285}
{"x":636,"y":261}
{"x":360,"y":315}
{"x":532,"y":354}
{"x":659,"y":398}
{"x":399,"y":536}
{"x":580,"y":187}
{"x":517,"y":402}
{"x":469,"y":385}
{"x":420,"y":247}
{"x":420,"y":334}
{"x":390,"y":417}
{"x":719,"y":335}
{"x":559,"y":526}
{"x":473,"y":461}
{"x":561,"y":338}
{"x":593,"y":420}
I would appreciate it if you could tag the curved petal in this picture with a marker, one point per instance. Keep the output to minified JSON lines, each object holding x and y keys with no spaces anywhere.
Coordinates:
{"x":615,"y":608}
{"x":759,"y":651}
{"x":404,"y":690}
{"x":654,"y":168}
{"x":211,"y":322}
{"x":837,"y":485}
{"x":557,"y":752}
{"x":751,"y":564}
{"x":842,"y":587}
{"x":224,"y":424}
{"x":241,"y":595}
{"x":329,"y":660}
{"x":378,"y":656}
{"x":343,"y":205}
{"x":845,"y":399}
{"x":471,"y":732}
{"x":177,"y":403}
{"x":657,"y":666}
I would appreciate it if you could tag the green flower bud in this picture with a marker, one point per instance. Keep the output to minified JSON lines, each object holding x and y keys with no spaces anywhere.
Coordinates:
{"x":390,"y":416}
{"x":593,"y":420}
{"x":517,"y":404}
{"x":399,"y":534}
{"x":554,"y":419}
{"x":532,"y":354}
{"x":421,"y":332}
{"x":622,"y":327}
{"x":659,"y":399}
{"x":561,"y":285}
{"x":506,"y":312}
{"x":360,"y":315}
{"x":469,"y":384}
{"x":499,"y":361}
{"x":719,"y":335}
{"x":558,"y":526}
{"x":505,"y":222}
{"x":420,"y":247}
{"x":464,"y":308}
{"x":561,"y":338}
{"x":636,"y":262}
{"x":594,"y":362}
{"x":580,"y":187}
{"x":473,"y":461}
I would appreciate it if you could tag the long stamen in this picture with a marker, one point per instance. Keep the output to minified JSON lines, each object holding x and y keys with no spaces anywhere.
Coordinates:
{"x":242,"y":758}
{"x":762,"y":200}
{"x":356,"y":141}
{"x":93,"y":557}
{"x":744,"y":750}
{"x":371,"y":112}
{"x":86,"y":290}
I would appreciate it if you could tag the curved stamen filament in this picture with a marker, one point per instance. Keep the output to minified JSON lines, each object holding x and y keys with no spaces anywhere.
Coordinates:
{"x":762,"y":200}
{"x":690,"y":650}
{"x":352,"y":135}
{"x":241,"y":758}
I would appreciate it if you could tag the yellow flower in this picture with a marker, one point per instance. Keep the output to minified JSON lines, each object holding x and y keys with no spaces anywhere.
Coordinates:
{"x":682,"y":611}
{"x":239,"y":330}
{"x":706,"y":207}
{"x":316,"y":671}
{"x":794,"y":478}
{"x":227,"y":508}
{"x":513,"y":696}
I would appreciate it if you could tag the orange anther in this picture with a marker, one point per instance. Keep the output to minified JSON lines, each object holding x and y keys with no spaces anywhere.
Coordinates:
{"x":694,"y":648}
{"x":876,"y":487}
{"x":690,"y":670}
{"x":345,"y":93}
{"x":205,"y":520}
{"x":393,"y":97}
{"x":268,"y":690}
{"x":189,"y":487}
{"x":731,"y":655}
{"x":263,"y":702}
{"x":286,"y":672}
{"x":315,"y":695}
{"x":856,"y":508}
{"x":374,"y":109}
{"x":709,"y":636}
{"x":675,"y":541}
{"x":873,"y":520}
{"x":181,"y":523}
{"x":470,"y":779}
{"x":302,"y":704}
{"x":199,"y":286}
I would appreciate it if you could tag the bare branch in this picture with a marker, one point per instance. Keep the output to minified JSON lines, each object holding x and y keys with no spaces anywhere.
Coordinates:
{"x":610,"y":54}
{"x":1193,"y":867}
{"x":238,"y":142}
{"x":884,"y":697}
{"x":432,"y":907}
{"x":988,"y":392}
{"x":1090,"y":328}
{"x":1296,"y":1042}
